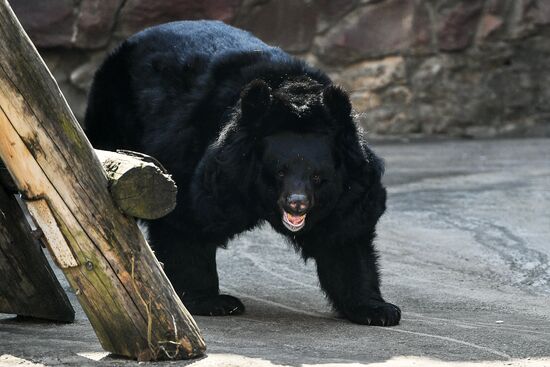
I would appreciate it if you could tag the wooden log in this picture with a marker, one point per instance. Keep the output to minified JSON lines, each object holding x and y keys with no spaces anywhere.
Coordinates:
{"x":139,"y":184}
{"x":130,"y":303}
{"x":28,"y":286}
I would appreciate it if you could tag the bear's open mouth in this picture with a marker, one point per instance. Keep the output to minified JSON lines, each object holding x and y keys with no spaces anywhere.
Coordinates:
{"x":293,"y":222}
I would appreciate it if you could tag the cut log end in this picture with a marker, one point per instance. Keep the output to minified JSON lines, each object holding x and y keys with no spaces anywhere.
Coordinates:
{"x":139,"y":185}
{"x":144,"y":192}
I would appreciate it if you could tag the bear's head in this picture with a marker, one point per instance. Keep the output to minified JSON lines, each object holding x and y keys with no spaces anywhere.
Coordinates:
{"x":294,"y":154}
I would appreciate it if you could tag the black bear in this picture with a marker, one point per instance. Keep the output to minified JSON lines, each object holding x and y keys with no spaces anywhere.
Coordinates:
{"x":250,"y":135}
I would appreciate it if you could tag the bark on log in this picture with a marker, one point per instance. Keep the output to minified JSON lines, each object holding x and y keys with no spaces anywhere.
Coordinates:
{"x":28,"y":286}
{"x":140,"y":186}
{"x":130,"y":303}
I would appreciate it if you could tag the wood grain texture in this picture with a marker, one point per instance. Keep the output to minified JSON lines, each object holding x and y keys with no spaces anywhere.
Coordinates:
{"x":129,"y":301}
{"x":28,"y":286}
{"x":58,"y":246}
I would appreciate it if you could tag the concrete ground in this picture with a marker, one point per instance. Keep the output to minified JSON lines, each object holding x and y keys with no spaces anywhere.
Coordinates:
{"x":464,"y":246}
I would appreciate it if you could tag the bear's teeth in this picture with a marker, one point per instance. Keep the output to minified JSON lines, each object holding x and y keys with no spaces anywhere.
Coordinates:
{"x":293,"y":222}
{"x":296,"y":219}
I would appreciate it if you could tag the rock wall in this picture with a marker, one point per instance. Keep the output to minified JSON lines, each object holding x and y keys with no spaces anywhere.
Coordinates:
{"x":471,"y":68}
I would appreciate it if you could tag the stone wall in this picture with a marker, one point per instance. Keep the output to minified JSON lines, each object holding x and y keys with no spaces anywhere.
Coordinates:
{"x":471,"y":68}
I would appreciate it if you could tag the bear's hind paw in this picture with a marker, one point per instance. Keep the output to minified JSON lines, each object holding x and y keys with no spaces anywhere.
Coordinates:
{"x":375,"y":313}
{"x":218,"y":305}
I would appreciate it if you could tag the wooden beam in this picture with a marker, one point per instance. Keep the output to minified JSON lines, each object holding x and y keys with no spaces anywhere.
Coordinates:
{"x":130,"y":303}
{"x":139,"y":184}
{"x":28,"y":286}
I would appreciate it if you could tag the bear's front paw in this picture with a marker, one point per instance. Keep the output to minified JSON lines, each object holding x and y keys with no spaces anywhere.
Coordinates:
{"x":216,"y":305}
{"x":375,"y":313}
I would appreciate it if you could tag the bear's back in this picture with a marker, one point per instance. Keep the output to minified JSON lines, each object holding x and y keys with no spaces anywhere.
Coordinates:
{"x":204,"y":37}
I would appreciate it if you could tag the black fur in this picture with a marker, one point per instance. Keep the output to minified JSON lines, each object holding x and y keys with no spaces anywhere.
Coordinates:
{"x":247,"y":132}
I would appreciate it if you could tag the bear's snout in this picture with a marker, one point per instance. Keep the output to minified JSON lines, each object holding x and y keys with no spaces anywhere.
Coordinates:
{"x":295,"y":207}
{"x":297,"y":204}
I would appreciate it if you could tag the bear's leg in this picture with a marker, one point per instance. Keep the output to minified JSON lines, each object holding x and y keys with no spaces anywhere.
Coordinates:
{"x":348,"y":273}
{"x":191,"y":267}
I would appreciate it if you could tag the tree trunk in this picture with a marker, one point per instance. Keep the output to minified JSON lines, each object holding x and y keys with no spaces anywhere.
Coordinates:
{"x":130,"y":303}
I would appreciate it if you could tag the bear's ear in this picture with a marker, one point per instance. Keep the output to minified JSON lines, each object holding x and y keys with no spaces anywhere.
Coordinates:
{"x":337,"y":102}
{"x":255,"y":99}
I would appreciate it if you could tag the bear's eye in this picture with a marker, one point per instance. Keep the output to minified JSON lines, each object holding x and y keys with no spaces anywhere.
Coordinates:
{"x":281,"y":174}
{"x":316,"y":179}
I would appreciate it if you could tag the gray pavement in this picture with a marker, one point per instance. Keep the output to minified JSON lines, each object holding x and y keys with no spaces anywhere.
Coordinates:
{"x":465,"y":247}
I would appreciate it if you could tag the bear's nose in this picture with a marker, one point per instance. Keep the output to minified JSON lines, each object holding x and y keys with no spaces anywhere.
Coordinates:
{"x":299,"y":203}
